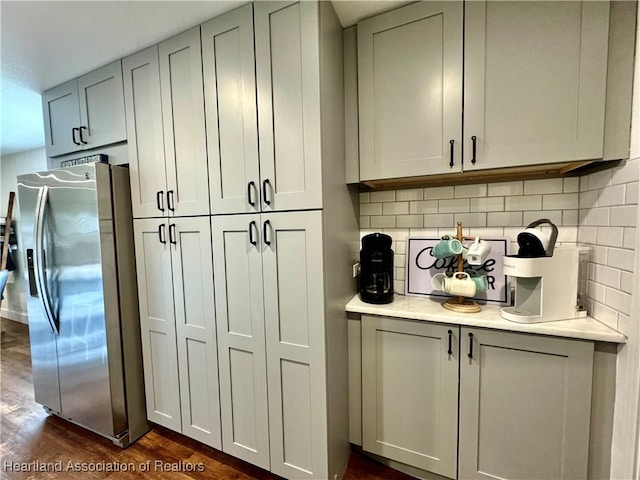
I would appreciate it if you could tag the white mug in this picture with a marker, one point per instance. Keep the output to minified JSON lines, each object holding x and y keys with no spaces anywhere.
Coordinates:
{"x":460,"y":284}
{"x":437,"y":281}
{"x":478,"y":252}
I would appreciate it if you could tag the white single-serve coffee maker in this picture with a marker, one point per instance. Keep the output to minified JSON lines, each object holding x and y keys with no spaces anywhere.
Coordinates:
{"x":550,"y":282}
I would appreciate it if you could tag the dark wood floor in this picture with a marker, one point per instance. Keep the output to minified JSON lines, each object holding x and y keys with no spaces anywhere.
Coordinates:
{"x":29,"y":435}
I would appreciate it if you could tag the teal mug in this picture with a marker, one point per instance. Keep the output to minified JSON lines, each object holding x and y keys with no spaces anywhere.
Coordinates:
{"x":481,"y":281}
{"x":447,"y":248}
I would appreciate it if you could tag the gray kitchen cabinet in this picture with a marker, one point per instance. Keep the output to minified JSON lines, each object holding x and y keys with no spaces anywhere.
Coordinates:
{"x":145,"y":145}
{"x":175,"y":285}
{"x":166,"y":124}
{"x":519,"y":407}
{"x":410,"y":91}
{"x":85,"y":113}
{"x":534,"y":86}
{"x":183,"y":123}
{"x":269,"y":291}
{"x":282,"y":76}
{"x":525,"y":406}
{"x":535,"y":80}
{"x":410,"y":392}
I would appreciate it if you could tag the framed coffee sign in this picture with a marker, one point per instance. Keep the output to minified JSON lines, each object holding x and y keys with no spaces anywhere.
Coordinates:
{"x":422,"y":266}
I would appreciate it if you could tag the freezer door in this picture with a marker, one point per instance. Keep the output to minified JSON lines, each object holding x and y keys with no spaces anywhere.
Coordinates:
{"x":44,"y":356}
{"x":74,"y":280}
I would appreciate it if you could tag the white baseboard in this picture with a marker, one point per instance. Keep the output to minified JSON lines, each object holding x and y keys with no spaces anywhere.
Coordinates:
{"x":15,"y":316}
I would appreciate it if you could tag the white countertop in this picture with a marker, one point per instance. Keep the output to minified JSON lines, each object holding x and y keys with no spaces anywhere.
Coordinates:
{"x":418,"y":308}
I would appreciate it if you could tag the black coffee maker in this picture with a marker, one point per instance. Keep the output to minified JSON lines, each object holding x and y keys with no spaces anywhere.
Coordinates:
{"x":376,"y":269}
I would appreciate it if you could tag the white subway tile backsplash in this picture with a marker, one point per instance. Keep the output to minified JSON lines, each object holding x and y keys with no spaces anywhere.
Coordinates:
{"x":395,"y":208}
{"x":628,"y":172}
{"x":380,"y":221}
{"x":453,"y":206}
{"x":504,"y":219}
{"x":371,"y":209}
{"x":546,"y":185}
{"x":555,"y":216}
{"x":599,"y":210}
{"x":620,"y":258}
{"x":613,"y":195}
{"x":471,"y":219}
{"x":599,"y":179}
{"x":426,"y":206}
{"x":598,"y":254}
{"x":618,"y":300}
{"x":409,"y":221}
{"x":398,"y":286}
{"x":631,"y":194}
{"x":503,"y":189}
{"x":570,"y":217}
{"x":606,"y":315}
{"x":487,"y":204}
{"x":527,"y":202}
{"x":437,"y":220}
{"x":560,"y":201}
{"x":597,"y":216}
{"x":588,"y":199}
{"x":571,"y":185}
{"x":384,"y":196}
{"x":435,"y":193}
{"x":626,"y":282}
{"x":470,"y":191}
{"x":610,"y":236}
{"x":624,"y":216}
{"x":410,"y":194}
{"x":629,"y":238}
{"x":587,"y":234}
{"x":607,"y":276}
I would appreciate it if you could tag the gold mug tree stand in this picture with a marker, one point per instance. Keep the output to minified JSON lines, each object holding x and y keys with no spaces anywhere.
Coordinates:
{"x":460,"y":304}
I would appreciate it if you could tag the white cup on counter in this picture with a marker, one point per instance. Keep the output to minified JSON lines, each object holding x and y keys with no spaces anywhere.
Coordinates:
{"x":460,"y":284}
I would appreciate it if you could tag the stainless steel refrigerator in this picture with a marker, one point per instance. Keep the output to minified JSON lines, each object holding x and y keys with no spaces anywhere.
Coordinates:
{"x":84,"y":328}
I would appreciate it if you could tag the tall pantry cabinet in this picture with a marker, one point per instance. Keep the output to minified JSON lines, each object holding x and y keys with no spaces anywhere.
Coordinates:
{"x":259,"y":307}
{"x":167,"y":153}
{"x":281,"y":276}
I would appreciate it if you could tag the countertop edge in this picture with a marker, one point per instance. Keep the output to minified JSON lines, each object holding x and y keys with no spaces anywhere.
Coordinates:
{"x":415,"y":308}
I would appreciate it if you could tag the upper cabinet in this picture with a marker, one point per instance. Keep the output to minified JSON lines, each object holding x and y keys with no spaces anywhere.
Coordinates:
{"x":85,"y":113}
{"x":165,"y":122}
{"x":533,"y":91}
{"x":410,"y":91}
{"x":534,"y":82}
{"x":264,"y":98}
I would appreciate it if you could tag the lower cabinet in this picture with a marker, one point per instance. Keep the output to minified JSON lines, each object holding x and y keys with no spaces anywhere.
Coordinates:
{"x":269,"y":295}
{"x":175,"y":286}
{"x":476,"y":403}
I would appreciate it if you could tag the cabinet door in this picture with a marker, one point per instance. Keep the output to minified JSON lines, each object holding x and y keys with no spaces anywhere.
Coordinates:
{"x":183,"y":123}
{"x":410,"y":91}
{"x":525,"y":406}
{"x":230,"y":101}
{"x":102,"y":107}
{"x":61,"y":116}
{"x":191,"y":260}
{"x":237,"y":271}
{"x":535,"y":78}
{"x":410,"y":392}
{"x":157,"y":322}
{"x":294,"y":317}
{"x":144,"y":132}
{"x":288,"y":76}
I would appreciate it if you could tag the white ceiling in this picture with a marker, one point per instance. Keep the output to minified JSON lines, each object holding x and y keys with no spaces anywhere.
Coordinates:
{"x":45,"y":43}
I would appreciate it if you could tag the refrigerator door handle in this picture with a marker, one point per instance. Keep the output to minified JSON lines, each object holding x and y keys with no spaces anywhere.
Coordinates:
{"x":41,"y":280}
